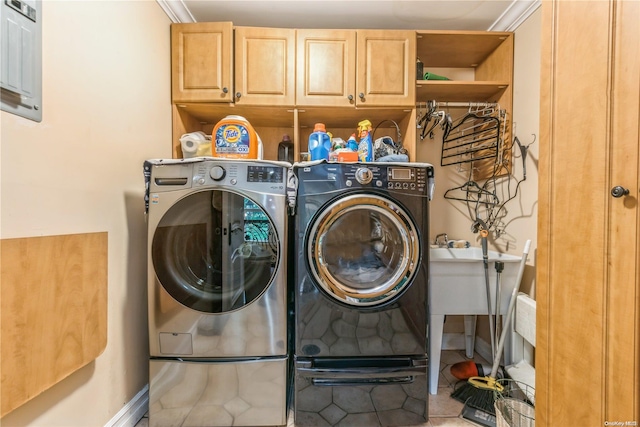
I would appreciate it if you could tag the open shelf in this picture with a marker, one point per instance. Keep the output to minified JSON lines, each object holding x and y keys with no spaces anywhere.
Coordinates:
{"x":348,"y":117}
{"x":450,"y":90}
{"x":457,"y":49}
{"x":211,"y":113}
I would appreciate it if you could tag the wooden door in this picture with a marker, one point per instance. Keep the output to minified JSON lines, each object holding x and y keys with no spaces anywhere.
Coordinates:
{"x":386,"y":68}
{"x":202,"y":62}
{"x":265,"y":66}
{"x":588,"y":280}
{"x":326,"y":68}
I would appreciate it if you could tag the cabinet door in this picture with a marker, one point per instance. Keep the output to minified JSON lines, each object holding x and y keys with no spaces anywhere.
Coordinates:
{"x":201,"y":62}
{"x":264,"y":66}
{"x":386,"y":68}
{"x":326,"y":69}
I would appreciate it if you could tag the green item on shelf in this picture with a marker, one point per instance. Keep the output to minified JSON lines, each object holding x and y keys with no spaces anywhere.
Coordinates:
{"x":431,"y":76}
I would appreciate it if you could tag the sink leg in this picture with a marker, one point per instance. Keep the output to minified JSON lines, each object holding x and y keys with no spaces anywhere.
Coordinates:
{"x":436,"y":325}
{"x":469,"y":335}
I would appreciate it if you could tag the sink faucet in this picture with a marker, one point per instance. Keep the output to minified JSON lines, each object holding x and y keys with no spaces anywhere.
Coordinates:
{"x":444,"y":242}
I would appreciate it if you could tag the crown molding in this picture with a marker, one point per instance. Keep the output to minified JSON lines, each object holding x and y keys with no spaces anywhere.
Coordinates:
{"x":176,"y":11}
{"x":516,"y":14}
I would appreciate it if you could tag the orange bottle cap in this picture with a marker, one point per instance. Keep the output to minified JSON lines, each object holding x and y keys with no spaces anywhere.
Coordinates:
{"x":319,"y":127}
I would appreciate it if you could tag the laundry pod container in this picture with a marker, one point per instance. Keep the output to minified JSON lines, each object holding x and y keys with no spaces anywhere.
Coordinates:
{"x":235,"y":138}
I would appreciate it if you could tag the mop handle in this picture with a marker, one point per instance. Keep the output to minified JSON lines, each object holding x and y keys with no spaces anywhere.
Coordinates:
{"x":499,"y":265}
{"x":512,"y":305}
{"x":485,"y":262}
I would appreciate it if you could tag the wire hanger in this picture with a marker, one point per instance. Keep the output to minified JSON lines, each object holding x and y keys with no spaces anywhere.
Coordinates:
{"x":471,"y":192}
{"x":425,"y":122}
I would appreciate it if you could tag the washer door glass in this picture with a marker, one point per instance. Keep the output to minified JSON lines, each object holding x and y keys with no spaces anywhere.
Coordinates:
{"x":215,"y":251}
{"x":363,"y":250}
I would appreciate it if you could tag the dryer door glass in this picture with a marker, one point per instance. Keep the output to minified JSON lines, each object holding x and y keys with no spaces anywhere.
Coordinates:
{"x":363,"y":250}
{"x":215,"y":251}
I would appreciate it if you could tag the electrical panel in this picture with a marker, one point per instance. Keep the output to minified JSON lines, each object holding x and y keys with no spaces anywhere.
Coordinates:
{"x":21,"y":60}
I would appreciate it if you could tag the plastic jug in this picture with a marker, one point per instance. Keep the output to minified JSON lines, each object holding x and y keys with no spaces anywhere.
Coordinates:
{"x":285,"y":149}
{"x":365,"y":146}
{"x":235,"y":138}
{"x":352,"y":144}
{"x":319,"y":143}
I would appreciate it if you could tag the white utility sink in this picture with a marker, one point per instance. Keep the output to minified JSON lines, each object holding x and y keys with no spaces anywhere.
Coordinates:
{"x":457,"y":287}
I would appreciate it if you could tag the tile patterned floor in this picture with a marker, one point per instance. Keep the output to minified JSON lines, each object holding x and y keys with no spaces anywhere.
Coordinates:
{"x":443,"y":410}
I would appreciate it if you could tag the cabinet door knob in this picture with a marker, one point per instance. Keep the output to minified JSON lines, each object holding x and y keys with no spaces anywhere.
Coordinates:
{"x":225,"y":90}
{"x":350,"y":97}
{"x":238,"y":95}
{"x":361,"y":95}
{"x":619,"y":191}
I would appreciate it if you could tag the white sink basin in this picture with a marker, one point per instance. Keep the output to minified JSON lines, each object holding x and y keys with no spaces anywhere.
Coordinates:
{"x":457,"y":287}
{"x":458,"y":283}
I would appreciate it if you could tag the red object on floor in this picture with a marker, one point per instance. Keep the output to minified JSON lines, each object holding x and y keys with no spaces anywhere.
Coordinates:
{"x":465,"y":370}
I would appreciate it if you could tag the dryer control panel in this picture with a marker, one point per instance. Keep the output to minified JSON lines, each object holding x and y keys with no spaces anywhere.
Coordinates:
{"x":399,"y":178}
{"x":415,"y":179}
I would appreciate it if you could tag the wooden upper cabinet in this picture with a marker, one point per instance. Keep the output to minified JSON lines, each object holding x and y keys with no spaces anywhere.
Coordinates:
{"x":326,"y":69}
{"x":386,"y":68}
{"x":202,"y":62}
{"x":264,"y":66}
{"x":286,"y":67}
{"x":342,"y":68}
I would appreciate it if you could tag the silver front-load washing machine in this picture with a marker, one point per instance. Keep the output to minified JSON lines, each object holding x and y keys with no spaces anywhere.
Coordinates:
{"x":217,"y":292}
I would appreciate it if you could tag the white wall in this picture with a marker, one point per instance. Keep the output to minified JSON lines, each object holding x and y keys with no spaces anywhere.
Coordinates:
{"x":523,"y":218}
{"x":106,"y":108}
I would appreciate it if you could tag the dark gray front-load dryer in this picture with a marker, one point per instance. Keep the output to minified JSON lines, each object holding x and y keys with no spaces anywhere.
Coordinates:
{"x":361,"y":277}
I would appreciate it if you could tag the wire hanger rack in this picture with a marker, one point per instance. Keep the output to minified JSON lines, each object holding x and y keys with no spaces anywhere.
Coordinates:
{"x":472,"y":138}
{"x":477,"y":138}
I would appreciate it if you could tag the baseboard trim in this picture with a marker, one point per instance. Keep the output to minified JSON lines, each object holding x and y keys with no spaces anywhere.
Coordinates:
{"x":133,"y":411}
{"x":453,"y":341}
{"x":483,"y":348}
{"x":456,"y":341}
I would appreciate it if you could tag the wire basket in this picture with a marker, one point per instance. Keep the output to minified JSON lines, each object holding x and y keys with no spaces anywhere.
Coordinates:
{"x":514,"y":405}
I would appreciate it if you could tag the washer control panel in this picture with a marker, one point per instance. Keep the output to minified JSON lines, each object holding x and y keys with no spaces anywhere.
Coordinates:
{"x":265,"y":174}
{"x":217,"y":173}
{"x":261,"y":176}
{"x":406,"y":179}
{"x":364,"y":175}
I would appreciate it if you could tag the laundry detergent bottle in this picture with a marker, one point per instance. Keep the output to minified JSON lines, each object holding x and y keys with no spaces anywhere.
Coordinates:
{"x":235,"y":138}
{"x":352,"y":143}
{"x":285,"y":149}
{"x":365,"y":146}
{"x":319,"y":143}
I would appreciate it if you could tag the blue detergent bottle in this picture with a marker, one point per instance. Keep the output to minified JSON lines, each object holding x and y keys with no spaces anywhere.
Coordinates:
{"x":352,"y":144}
{"x":319,"y":143}
{"x":365,"y":146}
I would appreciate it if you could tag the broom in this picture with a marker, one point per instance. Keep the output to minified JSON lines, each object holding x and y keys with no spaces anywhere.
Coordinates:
{"x":478,"y":393}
